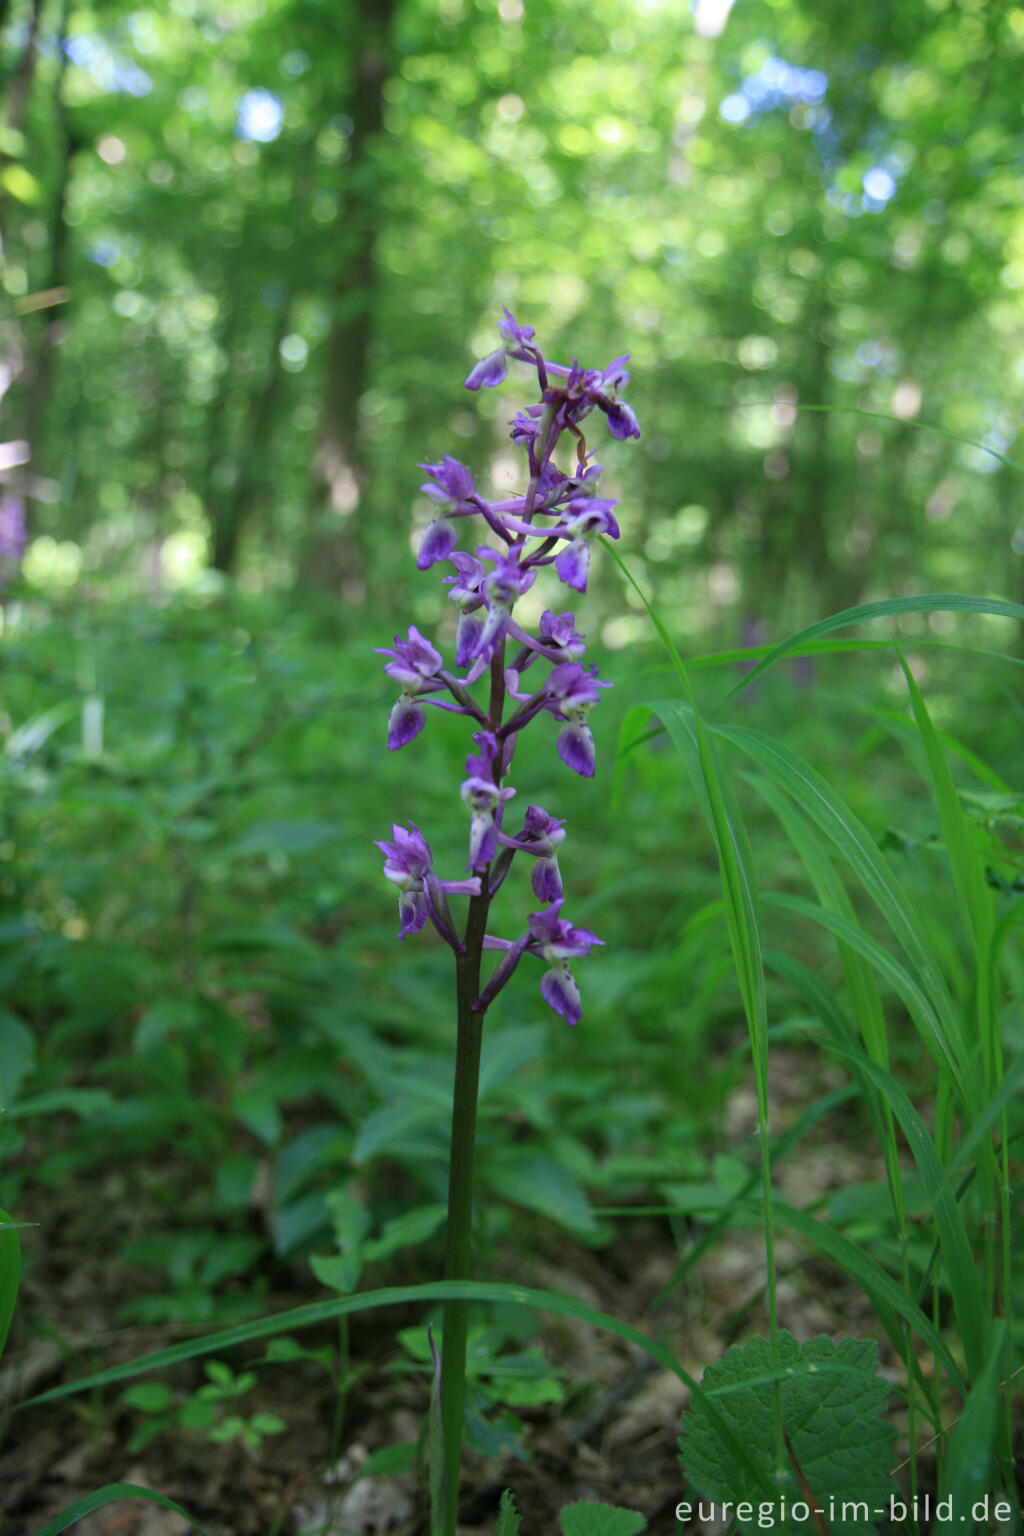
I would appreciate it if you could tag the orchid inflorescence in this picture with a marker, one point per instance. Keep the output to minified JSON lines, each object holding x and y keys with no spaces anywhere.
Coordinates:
{"x":553,"y":524}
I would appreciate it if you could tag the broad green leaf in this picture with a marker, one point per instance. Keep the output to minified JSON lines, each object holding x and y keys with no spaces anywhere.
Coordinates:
{"x":587,"y":1519}
{"x":17,"y":1056}
{"x":505,"y":1052}
{"x":257,"y":1110}
{"x":832,"y":1401}
{"x":289,"y":837}
{"x":541,"y":1185}
{"x":405,"y":1231}
{"x":148,"y":1396}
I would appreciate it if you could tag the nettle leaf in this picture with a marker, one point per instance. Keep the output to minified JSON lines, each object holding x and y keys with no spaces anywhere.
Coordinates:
{"x":509,"y":1519}
{"x":583,"y":1519}
{"x":832,"y":1401}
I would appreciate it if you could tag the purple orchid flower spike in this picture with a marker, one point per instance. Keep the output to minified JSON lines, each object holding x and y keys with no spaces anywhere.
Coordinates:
{"x":554,"y":523}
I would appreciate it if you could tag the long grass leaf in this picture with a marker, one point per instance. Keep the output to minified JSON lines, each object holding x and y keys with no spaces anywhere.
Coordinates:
{"x":111,"y":1494}
{"x":961,"y":1273}
{"x":965,"y":1477}
{"x":318,"y":1312}
{"x":937,"y":602}
{"x":914,"y":997}
{"x":818,"y":799}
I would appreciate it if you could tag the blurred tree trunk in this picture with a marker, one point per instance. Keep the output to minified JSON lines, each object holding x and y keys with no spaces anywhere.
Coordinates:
{"x":231,"y":510}
{"x":41,"y":349}
{"x":21,"y":78}
{"x":335,"y":553}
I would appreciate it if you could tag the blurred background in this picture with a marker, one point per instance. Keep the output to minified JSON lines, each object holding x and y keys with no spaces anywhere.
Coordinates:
{"x":251,"y":248}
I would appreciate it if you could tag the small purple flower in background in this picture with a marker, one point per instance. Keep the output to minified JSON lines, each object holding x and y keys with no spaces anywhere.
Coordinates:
{"x":553,"y":524}
{"x":13,"y":535}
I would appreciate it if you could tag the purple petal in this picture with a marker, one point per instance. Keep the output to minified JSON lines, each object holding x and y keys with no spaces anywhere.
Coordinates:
{"x":467,"y":637}
{"x":576,"y":749}
{"x":546,"y":880}
{"x":405,"y":722}
{"x":560,"y":992}
{"x":622,"y":422}
{"x":412,"y":912}
{"x":438,"y":541}
{"x":573,"y":564}
{"x":489,"y":371}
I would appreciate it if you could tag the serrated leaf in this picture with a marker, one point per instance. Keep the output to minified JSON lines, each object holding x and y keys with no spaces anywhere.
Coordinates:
{"x":832,"y":1401}
{"x":587,"y":1519}
{"x":508,"y":1517}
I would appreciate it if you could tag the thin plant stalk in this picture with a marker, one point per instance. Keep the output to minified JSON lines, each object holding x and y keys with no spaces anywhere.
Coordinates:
{"x":460,"y":1205}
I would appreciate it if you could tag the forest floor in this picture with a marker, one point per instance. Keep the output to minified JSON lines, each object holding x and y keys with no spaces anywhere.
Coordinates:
{"x":614,"y":1438}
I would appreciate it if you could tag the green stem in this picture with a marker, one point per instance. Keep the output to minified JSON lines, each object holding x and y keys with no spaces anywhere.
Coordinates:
{"x":460,"y":1205}
{"x":460,"y":1170}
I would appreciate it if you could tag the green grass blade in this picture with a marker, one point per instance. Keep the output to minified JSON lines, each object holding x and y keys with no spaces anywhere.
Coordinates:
{"x":961,"y":1272}
{"x":887,"y":1296}
{"x":10,"y":1273}
{"x":938,"y":602}
{"x":860,"y":981}
{"x":965,"y":1477}
{"x":898,"y":976}
{"x":973,"y":894}
{"x":819,"y":801}
{"x":111,"y":1494}
{"x":318,"y":1312}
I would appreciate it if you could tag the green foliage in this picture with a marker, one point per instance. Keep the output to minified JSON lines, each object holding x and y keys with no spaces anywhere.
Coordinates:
{"x":10,"y":1273}
{"x":837,"y":1443}
{"x":201,"y":1411}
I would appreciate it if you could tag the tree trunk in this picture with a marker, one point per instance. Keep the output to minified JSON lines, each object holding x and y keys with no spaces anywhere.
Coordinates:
{"x":233,"y":508}
{"x":42,"y":352}
{"x":335,"y":553}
